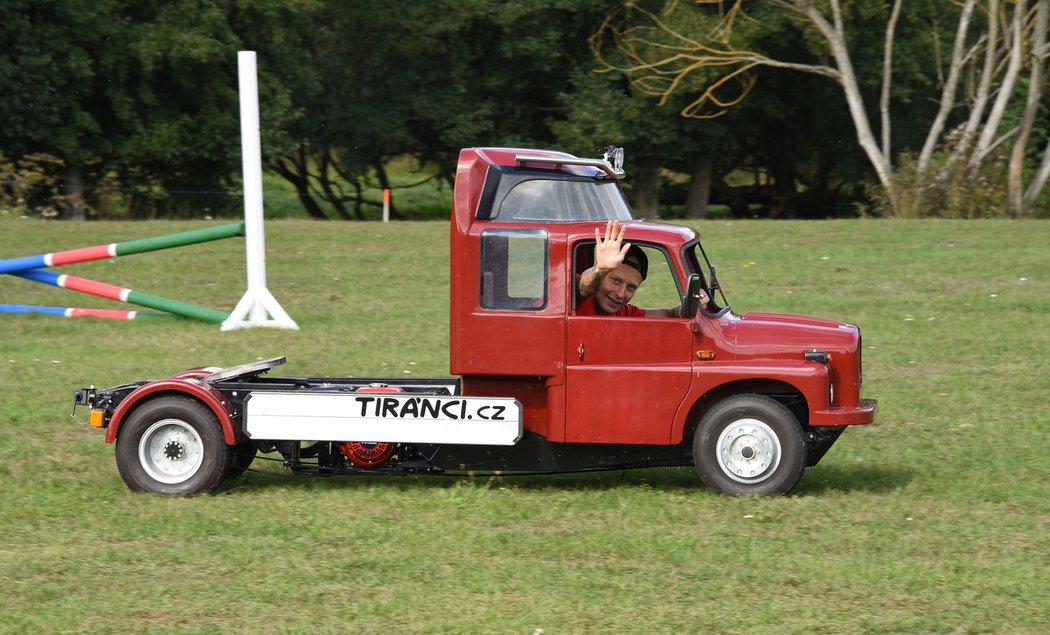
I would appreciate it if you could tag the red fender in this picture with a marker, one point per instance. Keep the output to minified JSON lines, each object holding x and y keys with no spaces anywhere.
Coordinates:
{"x":810,"y":379}
{"x":204,"y":393}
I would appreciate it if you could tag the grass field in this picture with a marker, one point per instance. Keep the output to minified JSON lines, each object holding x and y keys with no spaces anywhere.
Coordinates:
{"x":934,"y":520}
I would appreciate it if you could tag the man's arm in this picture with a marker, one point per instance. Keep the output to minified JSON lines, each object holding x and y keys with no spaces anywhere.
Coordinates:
{"x":608,"y":255}
{"x":590,"y":281}
{"x":674,"y":312}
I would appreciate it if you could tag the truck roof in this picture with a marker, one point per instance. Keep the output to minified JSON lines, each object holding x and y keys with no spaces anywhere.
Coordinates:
{"x":507,"y":158}
{"x":491,"y":186}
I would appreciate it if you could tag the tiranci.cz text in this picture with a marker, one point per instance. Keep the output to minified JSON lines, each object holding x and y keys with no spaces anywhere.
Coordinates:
{"x":430,"y":408}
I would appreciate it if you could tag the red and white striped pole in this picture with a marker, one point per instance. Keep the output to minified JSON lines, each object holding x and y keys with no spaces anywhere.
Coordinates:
{"x":386,"y":205}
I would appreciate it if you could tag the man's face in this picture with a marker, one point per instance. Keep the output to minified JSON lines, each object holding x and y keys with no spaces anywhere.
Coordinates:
{"x":618,"y":287}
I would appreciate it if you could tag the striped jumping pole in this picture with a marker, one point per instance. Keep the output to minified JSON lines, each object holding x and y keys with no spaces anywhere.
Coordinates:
{"x":72,"y":312}
{"x":121,"y":294}
{"x":113,"y":250}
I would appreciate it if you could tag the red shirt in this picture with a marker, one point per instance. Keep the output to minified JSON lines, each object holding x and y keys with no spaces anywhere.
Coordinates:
{"x":628,"y":310}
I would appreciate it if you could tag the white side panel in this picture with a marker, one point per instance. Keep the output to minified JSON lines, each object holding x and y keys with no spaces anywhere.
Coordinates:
{"x":377,"y":417}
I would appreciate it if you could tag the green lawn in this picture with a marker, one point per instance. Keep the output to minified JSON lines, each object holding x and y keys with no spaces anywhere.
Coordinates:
{"x":934,"y":520}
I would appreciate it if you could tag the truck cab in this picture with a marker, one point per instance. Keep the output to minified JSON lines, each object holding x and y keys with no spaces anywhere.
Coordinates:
{"x":536,"y":386}
{"x":523,"y":231}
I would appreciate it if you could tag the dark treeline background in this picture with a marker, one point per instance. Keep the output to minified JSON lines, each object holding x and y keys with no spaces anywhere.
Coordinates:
{"x":129,"y":108}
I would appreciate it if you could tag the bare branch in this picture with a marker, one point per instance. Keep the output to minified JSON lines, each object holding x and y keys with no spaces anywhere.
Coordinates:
{"x":1013,"y":43}
{"x":949,"y":90}
{"x":887,"y":76}
{"x":1006,"y":136}
{"x":662,"y":58}
{"x":658,"y":59}
{"x":1037,"y":54}
{"x":693,"y":109}
{"x":1039,"y":179}
{"x":980,"y":102}
{"x":836,"y":40}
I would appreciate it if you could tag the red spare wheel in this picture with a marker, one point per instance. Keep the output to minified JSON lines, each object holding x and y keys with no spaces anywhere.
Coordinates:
{"x":367,"y":454}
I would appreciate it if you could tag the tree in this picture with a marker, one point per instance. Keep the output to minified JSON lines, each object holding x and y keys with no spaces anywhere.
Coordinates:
{"x":424,"y":80}
{"x":140,"y":98}
{"x":663,"y":58}
{"x":602,"y":111}
{"x":45,"y":71}
{"x":789,"y":145}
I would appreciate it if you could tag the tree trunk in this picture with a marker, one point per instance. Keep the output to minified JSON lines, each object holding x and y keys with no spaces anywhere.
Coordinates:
{"x":384,"y":182}
{"x":699,"y":193}
{"x":948,"y":93}
{"x":359,"y":211}
{"x":646,"y":189}
{"x":980,"y":100}
{"x":1012,"y":40}
{"x":836,"y":39}
{"x":1039,"y":179}
{"x":785,"y":187}
{"x":302,"y":189}
{"x":75,"y":192}
{"x":887,"y":77}
{"x":1015,"y":169}
{"x":330,"y":194}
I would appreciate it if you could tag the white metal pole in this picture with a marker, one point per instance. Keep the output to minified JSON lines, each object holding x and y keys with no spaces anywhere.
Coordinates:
{"x":257,"y":301}
{"x":251,"y":160}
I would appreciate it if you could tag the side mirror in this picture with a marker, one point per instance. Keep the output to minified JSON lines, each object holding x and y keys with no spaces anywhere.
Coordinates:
{"x":691,"y":299}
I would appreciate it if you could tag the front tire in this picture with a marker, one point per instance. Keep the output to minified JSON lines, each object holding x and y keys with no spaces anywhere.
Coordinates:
{"x":172,"y":445}
{"x":749,"y":445}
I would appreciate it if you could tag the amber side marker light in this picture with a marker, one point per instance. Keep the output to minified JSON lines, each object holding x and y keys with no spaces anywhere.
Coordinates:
{"x":96,"y":418}
{"x":704,"y":355}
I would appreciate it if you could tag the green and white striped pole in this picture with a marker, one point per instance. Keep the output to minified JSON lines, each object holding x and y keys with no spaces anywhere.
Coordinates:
{"x":114,"y":250}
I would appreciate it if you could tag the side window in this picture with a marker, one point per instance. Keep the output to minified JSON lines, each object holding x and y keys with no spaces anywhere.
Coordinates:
{"x":660,"y":290}
{"x":514,"y":269}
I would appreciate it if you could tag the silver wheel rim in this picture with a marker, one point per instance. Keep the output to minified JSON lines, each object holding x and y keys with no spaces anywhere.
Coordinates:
{"x":171,"y":451}
{"x":748,"y":451}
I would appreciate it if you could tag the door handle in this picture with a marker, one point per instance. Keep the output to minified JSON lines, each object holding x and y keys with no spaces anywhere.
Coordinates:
{"x":581,"y":349}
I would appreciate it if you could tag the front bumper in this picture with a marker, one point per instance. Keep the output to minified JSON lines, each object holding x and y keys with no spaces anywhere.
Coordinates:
{"x":862,"y":414}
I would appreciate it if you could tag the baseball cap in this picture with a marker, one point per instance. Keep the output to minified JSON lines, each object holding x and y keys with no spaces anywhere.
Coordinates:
{"x":637,"y":260}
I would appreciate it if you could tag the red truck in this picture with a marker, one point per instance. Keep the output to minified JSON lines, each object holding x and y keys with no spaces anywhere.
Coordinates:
{"x":750,"y":400}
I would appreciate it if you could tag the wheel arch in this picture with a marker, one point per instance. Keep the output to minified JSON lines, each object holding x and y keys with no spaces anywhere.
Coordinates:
{"x":205,"y":394}
{"x":786,"y":393}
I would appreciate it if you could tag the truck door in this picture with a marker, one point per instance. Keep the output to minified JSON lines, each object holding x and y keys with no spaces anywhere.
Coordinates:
{"x":627,"y":377}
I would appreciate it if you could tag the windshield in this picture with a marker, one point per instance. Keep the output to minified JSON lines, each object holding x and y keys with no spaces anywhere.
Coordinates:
{"x":560,"y":200}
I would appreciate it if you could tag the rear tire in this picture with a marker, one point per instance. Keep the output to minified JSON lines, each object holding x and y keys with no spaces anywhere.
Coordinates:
{"x":749,"y":445}
{"x":172,"y":445}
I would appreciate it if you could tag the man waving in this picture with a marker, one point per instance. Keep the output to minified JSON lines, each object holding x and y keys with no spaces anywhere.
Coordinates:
{"x":619,"y":269}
